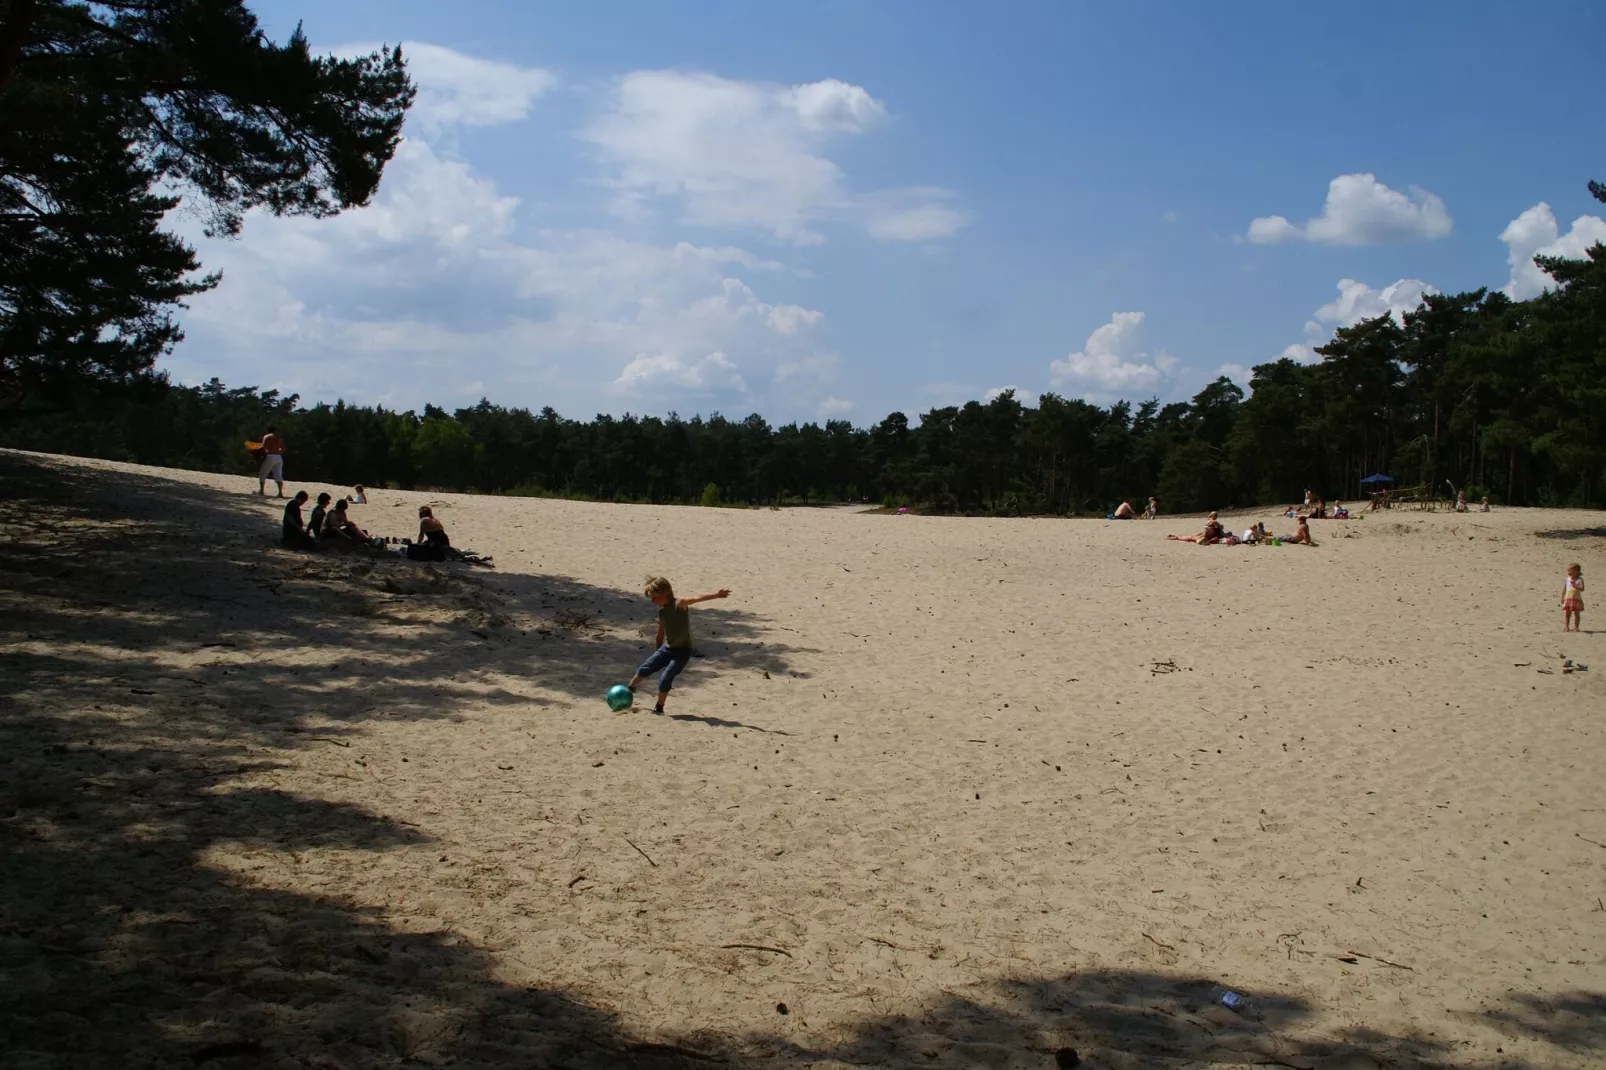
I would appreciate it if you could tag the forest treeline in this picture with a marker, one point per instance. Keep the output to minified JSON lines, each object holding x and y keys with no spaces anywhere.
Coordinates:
{"x":1473,"y":390}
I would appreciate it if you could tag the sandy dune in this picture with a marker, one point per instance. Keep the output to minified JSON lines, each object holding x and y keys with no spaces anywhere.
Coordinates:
{"x":942,"y":792}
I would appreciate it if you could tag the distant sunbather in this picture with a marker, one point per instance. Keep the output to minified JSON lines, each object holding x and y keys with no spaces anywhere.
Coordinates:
{"x":1212,"y":533}
{"x":1124,"y":511}
{"x":1152,"y":511}
{"x":1301,"y":536}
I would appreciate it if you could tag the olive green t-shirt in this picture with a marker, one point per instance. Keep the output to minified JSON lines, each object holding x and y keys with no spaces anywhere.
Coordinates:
{"x":676,"y":623}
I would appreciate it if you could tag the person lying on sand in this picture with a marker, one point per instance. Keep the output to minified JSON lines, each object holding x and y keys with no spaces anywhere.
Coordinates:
{"x":1212,"y":533}
{"x":1302,"y":536}
{"x":1124,"y":511}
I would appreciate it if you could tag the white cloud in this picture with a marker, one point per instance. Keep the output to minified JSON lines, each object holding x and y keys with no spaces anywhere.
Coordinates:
{"x":461,"y":90}
{"x":741,"y":154}
{"x":790,"y":319}
{"x":713,"y":375}
{"x":834,"y":406}
{"x":912,"y":215}
{"x":1025,"y":397}
{"x":1111,"y":361}
{"x":434,"y":287}
{"x":1236,"y":372}
{"x":1360,"y":210}
{"x":833,"y":105}
{"x":817,"y":368}
{"x":1535,"y":233}
{"x":1358,"y":301}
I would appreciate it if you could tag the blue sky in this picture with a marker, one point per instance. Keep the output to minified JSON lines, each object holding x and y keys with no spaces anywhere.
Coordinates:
{"x":842,"y":209}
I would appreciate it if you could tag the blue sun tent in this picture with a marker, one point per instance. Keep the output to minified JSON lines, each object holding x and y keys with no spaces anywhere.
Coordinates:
{"x":1378,"y":479}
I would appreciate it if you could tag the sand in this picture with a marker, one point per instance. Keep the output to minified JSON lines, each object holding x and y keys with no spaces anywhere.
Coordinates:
{"x":939,"y":792}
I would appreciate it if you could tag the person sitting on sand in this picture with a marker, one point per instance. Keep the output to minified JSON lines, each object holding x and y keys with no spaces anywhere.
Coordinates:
{"x":1302,"y":536}
{"x":1255,"y":533}
{"x":1460,"y":501}
{"x":1484,"y":506}
{"x":320,"y":512}
{"x":1212,"y":533}
{"x":1153,"y":510}
{"x":432,"y":544}
{"x":1339,"y":512}
{"x":295,"y":529}
{"x":1124,"y":512}
{"x":358,"y":496}
{"x":340,"y":530}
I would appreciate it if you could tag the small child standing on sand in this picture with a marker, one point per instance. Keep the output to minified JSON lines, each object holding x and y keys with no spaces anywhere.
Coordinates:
{"x":674,"y":635}
{"x":1572,"y":599}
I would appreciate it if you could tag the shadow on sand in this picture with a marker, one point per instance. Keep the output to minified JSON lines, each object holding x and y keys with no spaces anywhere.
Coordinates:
{"x":121,"y":946}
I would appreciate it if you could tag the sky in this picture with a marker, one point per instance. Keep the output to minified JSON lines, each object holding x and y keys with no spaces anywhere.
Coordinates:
{"x":835,"y":210}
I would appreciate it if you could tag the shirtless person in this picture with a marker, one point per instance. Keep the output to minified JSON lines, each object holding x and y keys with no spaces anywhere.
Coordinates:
{"x":272,"y":462}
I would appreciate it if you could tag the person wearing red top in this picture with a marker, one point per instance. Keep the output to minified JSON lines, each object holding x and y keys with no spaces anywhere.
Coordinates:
{"x":272,"y":452}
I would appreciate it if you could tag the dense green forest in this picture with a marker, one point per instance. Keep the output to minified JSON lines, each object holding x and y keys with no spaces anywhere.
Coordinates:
{"x":1472,"y":390}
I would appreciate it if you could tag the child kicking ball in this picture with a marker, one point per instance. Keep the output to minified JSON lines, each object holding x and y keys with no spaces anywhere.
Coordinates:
{"x":674,"y":636}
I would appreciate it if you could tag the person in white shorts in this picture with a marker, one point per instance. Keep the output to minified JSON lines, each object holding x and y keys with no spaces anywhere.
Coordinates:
{"x":272,"y":462}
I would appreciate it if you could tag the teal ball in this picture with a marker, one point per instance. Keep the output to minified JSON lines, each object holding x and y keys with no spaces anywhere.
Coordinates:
{"x":620,"y":697}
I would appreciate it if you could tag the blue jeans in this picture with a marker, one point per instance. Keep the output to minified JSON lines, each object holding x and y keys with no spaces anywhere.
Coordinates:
{"x":670,"y":659}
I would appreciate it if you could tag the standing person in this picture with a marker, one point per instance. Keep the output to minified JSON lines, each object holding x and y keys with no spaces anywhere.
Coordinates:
{"x":272,"y":462}
{"x":295,"y":529}
{"x":674,"y":635}
{"x":1572,"y":599}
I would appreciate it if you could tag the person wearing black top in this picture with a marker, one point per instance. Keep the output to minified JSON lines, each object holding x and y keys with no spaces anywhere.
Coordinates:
{"x":295,"y":529}
{"x":432,"y":544}
{"x":315,"y":525}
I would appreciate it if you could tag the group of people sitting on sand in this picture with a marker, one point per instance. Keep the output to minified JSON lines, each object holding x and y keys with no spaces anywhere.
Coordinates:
{"x":1316,"y":509}
{"x":1124,"y":511}
{"x":331,"y":528}
{"x":1216,"y":533}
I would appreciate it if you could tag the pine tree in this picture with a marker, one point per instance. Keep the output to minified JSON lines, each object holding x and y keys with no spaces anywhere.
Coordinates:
{"x":110,"y":112}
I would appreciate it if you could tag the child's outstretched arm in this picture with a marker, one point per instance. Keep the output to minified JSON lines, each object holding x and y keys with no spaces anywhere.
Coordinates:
{"x":723,"y":592}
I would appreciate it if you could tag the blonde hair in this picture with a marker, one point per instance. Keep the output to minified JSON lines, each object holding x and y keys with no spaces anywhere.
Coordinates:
{"x":657,"y":585}
{"x":1576,"y":566}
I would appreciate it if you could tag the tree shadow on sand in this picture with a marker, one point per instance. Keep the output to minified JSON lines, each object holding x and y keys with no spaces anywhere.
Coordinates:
{"x":124,"y":943}
{"x":1573,"y":533}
